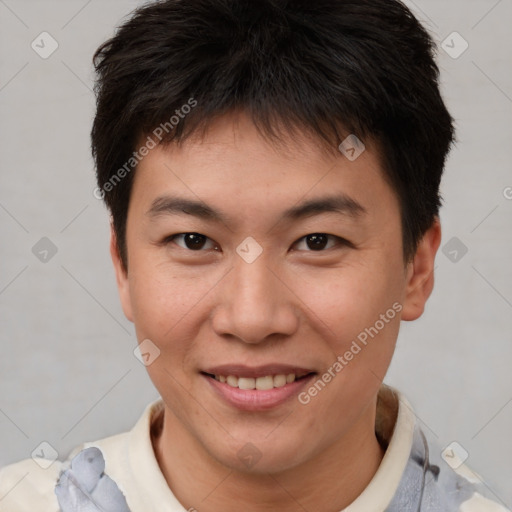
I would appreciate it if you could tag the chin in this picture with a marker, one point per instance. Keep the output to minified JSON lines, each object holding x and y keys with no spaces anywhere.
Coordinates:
{"x":261,"y":457}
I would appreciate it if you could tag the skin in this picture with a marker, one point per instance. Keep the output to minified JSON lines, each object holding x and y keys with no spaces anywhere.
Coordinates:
{"x":292,"y":305}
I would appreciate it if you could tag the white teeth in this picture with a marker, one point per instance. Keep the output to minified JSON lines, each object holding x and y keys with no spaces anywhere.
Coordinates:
{"x":246,"y":383}
{"x":232,"y":381}
{"x":260,"y":383}
{"x":263,"y":383}
{"x":279,"y":381}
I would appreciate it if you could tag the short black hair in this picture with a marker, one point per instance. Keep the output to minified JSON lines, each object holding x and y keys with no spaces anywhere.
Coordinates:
{"x":331,"y":67}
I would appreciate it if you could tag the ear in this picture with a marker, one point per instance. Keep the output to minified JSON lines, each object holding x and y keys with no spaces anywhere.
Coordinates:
{"x":420,"y":273}
{"x":121,"y":276}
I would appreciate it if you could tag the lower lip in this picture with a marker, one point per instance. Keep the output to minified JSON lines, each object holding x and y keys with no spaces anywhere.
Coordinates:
{"x":254,"y":399}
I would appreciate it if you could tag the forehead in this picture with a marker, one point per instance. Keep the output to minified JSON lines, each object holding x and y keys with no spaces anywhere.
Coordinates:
{"x":233,"y":167}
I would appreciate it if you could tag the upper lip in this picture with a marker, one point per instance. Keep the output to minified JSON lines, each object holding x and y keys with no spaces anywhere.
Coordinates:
{"x":240,"y":370}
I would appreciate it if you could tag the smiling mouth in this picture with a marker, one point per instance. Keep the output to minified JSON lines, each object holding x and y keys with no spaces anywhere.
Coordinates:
{"x":261,"y":383}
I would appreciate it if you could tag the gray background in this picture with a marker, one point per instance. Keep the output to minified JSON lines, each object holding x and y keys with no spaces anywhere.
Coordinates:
{"x":67,"y":369}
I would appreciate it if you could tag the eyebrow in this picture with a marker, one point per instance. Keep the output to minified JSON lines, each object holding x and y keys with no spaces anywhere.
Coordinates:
{"x":340,"y":204}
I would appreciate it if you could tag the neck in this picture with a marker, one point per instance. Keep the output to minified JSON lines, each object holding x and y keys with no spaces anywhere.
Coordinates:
{"x":329,"y":482}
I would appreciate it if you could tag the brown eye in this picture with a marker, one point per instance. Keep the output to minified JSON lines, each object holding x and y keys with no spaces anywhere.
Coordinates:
{"x":317,"y":242}
{"x":320,"y":241}
{"x":192,"y":241}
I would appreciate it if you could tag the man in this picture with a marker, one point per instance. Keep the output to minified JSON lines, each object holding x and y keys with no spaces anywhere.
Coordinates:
{"x":272,"y":169}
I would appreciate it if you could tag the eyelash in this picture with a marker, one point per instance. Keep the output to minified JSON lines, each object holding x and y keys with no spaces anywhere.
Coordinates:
{"x":340,"y":241}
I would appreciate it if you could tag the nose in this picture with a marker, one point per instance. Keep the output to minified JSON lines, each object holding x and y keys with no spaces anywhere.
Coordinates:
{"x":255,"y":304}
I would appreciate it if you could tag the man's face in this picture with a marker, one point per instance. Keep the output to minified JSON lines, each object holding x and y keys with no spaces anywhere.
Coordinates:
{"x":254,"y":296}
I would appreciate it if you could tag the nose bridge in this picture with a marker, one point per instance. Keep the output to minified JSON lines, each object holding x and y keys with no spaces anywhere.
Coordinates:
{"x":254,"y":303}
{"x":255,"y":281}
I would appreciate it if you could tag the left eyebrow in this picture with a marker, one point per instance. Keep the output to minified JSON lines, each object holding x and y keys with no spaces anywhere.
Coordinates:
{"x":341,"y":204}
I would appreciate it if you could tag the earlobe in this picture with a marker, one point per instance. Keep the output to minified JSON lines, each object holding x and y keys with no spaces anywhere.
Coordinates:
{"x":420,"y":273}
{"x":121,"y":276}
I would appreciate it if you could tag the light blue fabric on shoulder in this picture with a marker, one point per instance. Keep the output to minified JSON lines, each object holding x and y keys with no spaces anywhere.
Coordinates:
{"x":85,"y":487}
{"x":429,"y":484}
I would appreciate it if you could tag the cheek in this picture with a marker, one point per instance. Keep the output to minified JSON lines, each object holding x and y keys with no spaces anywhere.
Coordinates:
{"x":349,"y":299}
{"x":357,"y":310}
{"x":170,"y":309}
{"x":161,"y":298}
{"x":152,"y":312}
